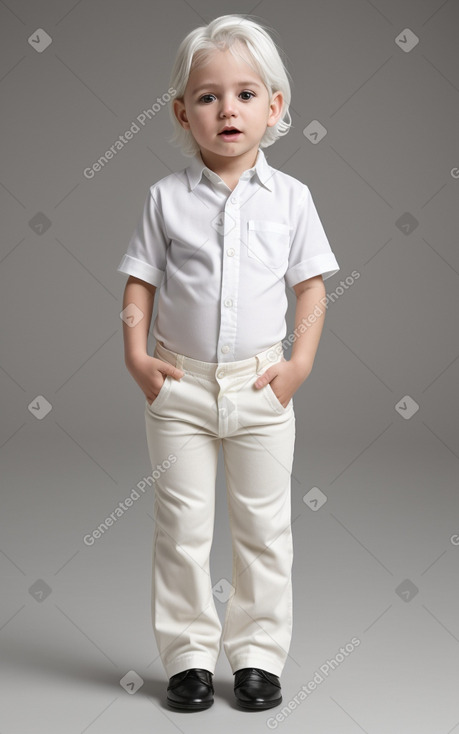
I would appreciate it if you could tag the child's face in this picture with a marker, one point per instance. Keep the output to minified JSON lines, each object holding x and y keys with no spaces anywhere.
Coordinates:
{"x":226,"y":91}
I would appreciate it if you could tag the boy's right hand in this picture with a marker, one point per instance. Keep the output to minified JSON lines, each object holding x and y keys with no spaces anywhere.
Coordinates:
{"x":150,"y":373}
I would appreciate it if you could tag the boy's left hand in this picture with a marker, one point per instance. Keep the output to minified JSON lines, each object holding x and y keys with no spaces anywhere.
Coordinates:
{"x":285,"y":378}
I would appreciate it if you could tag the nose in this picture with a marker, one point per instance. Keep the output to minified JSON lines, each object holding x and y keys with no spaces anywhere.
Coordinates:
{"x":227,"y":106}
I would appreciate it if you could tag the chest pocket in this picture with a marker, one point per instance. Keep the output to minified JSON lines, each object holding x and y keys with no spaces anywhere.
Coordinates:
{"x":268,"y":242}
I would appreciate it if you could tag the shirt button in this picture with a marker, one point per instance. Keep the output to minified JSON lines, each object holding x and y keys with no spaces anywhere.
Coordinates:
{"x":221,"y":373}
{"x":225,"y":349}
{"x":230,"y":251}
{"x":228,"y":302}
{"x":233,"y":200}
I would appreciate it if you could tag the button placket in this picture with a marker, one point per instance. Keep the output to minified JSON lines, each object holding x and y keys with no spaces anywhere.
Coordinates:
{"x":227,"y":409}
{"x":230,"y":280}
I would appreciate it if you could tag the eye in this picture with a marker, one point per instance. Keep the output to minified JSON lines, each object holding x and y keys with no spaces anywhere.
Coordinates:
{"x":208,"y":97}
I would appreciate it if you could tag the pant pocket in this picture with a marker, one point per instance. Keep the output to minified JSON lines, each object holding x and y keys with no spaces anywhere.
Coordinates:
{"x":274,"y":400}
{"x":271,"y":396}
{"x":162,"y":396}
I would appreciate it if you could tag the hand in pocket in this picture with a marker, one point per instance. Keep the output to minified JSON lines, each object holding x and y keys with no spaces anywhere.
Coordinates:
{"x":150,"y":374}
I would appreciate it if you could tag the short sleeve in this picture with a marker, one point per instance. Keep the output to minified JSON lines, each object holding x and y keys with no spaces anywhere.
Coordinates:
{"x":310,"y":251}
{"x":145,"y":257}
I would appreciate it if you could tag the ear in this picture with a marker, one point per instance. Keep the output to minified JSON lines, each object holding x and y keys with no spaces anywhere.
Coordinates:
{"x":275,"y":108}
{"x":180,"y":113}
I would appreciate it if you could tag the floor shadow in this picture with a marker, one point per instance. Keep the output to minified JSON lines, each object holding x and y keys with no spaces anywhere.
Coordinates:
{"x":35,"y":657}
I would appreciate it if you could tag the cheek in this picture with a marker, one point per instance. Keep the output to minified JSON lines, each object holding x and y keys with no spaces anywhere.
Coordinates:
{"x":201,"y":119}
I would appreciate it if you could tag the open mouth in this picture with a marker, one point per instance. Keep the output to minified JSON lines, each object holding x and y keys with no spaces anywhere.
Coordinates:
{"x":229,"y":133}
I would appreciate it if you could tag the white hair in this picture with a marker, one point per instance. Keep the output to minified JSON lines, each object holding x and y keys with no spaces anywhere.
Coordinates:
{"x":261,"y":53}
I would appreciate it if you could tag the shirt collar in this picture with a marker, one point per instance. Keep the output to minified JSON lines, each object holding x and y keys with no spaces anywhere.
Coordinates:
{"x":197,"y":168}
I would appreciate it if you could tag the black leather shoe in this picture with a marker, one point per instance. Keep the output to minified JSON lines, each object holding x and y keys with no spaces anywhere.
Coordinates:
{"x":257,"y":689}
{"x":191,"y":690}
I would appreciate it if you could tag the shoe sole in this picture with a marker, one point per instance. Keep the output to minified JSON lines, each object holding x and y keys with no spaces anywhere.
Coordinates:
{"x":189,"y":706}
{"x":258,"y":705}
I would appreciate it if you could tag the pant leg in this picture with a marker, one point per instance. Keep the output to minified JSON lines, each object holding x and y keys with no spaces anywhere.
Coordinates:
{"x":185,"y":620}
{"x":258,"y":462}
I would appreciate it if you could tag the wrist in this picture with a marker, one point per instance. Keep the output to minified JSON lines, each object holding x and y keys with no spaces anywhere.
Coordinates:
{"x":133,"y":358}
{"x":302,"y":365}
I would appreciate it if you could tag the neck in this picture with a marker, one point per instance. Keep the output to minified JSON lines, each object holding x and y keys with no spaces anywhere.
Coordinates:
{"x":230,"y":166}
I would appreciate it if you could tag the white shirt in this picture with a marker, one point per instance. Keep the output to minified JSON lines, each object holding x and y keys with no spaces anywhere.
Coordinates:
{"x":222,"y":259}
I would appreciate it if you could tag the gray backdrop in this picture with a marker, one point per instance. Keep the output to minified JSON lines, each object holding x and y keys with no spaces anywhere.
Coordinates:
{"x":375,"y":479}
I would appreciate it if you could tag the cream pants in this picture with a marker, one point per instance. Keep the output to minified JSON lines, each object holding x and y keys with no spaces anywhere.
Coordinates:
{"x":213,"y":403}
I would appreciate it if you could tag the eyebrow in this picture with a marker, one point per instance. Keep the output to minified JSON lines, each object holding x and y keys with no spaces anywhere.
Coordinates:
{"x":206,"y":85}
